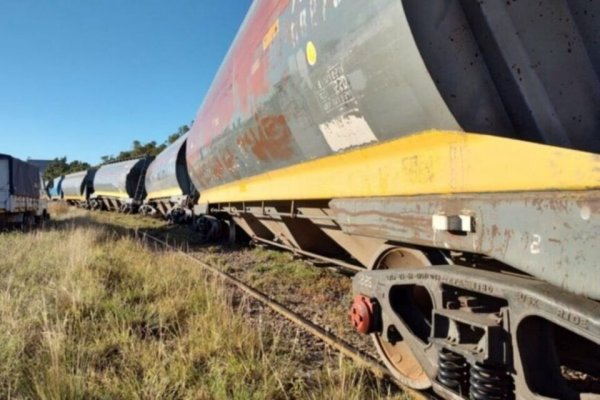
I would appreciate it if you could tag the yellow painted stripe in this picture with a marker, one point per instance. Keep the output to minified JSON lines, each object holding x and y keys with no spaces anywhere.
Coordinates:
{"x":116,"y":195}
{"x":163,"y":194}
{"x":431,"y":162}
{"x":74,"y":198}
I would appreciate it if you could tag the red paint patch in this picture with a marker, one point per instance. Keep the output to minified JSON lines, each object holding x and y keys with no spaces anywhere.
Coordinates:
{"x":237,"y":83}
{"x":272,"y":140}
{"x":216,"y":167}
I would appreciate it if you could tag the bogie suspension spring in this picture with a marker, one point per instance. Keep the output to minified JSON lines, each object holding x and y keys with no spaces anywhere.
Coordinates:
{"x":490,"y":383}
{"x":453,"y":372}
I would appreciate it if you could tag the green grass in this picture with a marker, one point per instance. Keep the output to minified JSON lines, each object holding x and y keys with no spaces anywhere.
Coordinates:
{"x":87,"y":314}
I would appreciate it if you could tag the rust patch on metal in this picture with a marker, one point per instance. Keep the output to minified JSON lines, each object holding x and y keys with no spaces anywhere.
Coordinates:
{"x":217,"y":166}
{"x":271,"y":140}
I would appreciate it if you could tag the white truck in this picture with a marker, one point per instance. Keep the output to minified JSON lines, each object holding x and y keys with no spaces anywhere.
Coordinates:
{"x":23,"y":202}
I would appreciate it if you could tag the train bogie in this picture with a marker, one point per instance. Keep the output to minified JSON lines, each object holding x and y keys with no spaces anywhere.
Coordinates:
{"x":480,"y":334}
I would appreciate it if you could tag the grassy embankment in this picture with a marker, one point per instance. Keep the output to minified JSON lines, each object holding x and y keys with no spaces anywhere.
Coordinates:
{"x":85,"y":313}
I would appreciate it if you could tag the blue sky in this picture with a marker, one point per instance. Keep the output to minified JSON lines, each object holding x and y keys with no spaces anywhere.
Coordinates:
{"x":84,"y":79}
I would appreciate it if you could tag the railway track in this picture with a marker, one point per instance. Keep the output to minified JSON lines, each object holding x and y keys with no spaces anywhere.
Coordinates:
{"x":347,"y":133}
{"x":333,"y":341}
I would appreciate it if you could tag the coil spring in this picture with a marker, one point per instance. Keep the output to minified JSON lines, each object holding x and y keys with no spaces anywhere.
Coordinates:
{"x":490,"y":383}
{"x":453,"y":372}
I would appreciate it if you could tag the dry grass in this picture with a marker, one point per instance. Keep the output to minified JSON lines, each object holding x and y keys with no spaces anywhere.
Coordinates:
{"x":59,"y":209}
{"x":85,"y":314}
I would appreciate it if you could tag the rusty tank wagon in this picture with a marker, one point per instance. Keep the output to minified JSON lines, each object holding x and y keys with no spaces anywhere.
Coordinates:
{"x":449,"y":148}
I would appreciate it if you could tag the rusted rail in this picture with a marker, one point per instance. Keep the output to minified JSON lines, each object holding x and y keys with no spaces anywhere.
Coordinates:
{"x":331,"y":340}
{"x":337,"y":263}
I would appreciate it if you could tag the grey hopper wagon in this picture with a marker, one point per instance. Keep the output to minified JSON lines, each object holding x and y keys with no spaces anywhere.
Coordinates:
{"x":120,"y":186}
{"x":54,"y":188}
{"x":78,"y":187}
{"x":170,"y":191}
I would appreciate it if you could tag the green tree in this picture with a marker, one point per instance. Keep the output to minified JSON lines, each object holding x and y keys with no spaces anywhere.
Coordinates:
{"x":60,"y":166}
{"x":182,"y":130}
{"x":56,"y":168}
{"x":139,"y":149}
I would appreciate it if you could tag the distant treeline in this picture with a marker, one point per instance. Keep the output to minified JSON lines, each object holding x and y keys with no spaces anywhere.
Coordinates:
{"x":60,"y":166}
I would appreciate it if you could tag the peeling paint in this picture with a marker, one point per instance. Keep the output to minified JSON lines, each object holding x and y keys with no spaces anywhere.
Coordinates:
{"x":347,"y":131}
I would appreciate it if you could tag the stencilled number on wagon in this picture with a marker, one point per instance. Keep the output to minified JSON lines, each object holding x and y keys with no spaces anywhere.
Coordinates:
{"x":573,"y":318}
{"x":334,"y":89}
{"x":536,"y":244}
{"x":341,"y":85}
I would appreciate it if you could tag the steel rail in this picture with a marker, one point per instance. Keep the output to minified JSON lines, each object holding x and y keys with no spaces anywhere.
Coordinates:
{"x":337,"y":263}
{"x":333,"y":341}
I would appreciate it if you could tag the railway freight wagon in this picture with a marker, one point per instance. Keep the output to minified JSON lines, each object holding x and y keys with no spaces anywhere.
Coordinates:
{"x":170,"y":191}
{"x":78,"y":187}
{"x":21,"y":203}
{"x":120,"y":186}
{"x":450,"y":148}
{"x":54,"y":188}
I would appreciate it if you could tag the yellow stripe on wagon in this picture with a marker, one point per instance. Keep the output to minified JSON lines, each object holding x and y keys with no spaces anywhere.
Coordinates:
{"x":74,"y":198}
{"x":114,"y":195}
{"x":165,"y":194}
{"x":431,"y":162}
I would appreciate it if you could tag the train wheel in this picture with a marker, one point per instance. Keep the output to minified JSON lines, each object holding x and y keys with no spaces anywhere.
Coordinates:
{"x":399,"y":357}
